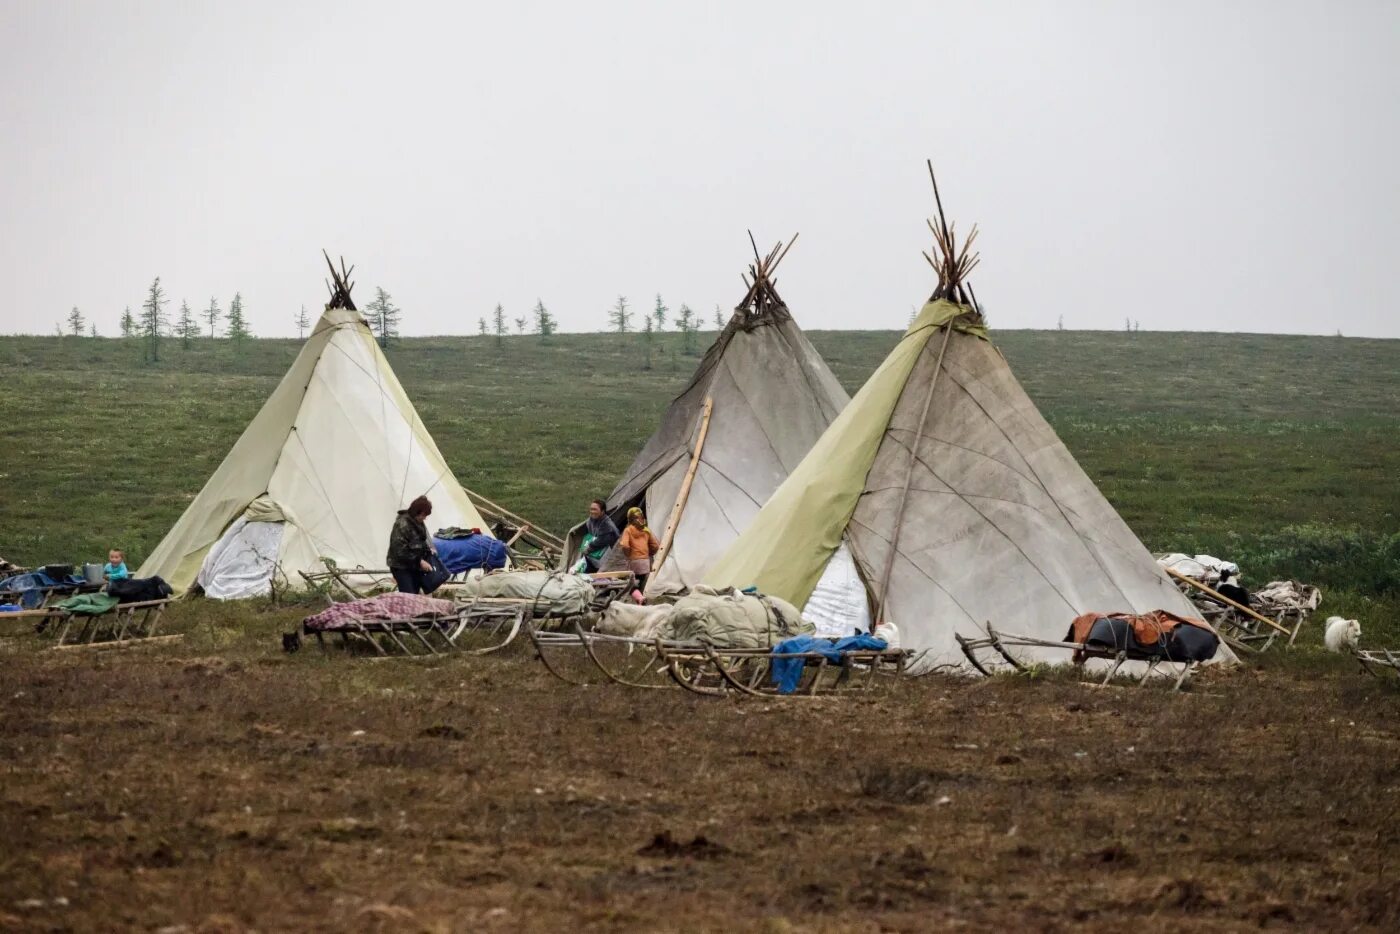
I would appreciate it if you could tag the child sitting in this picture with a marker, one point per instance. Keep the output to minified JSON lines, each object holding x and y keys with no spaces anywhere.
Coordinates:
{"x":115,"y":568}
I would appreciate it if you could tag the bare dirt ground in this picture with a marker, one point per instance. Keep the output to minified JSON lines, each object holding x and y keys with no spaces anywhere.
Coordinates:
{"x":217,"y":784}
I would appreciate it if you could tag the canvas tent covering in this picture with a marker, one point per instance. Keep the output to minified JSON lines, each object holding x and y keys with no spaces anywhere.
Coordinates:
{"x":943,"y":454}
{"x":321,"y":470}
{"x":771,"y":397}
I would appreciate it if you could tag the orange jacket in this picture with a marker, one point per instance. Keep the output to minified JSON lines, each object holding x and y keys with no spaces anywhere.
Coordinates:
{"x":638,"y":543}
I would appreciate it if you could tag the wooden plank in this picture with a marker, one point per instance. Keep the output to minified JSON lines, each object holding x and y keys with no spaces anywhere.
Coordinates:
{"x":1224,"y":599}
{"x":151,"y":640}
{"x":670,"y":533}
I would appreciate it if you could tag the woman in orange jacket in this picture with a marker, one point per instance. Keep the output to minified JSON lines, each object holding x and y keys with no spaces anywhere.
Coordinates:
{"x":638,"y":545}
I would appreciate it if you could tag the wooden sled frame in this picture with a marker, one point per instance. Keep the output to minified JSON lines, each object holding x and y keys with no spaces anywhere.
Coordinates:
{"x":1083,"y":652}
{"x":429,"y":635}
{"x":1376,"y":661}
{"x":716,"y":672}
{"x":640,"y":666}
{"x":125,"y":622}
{"x":60,"y":590}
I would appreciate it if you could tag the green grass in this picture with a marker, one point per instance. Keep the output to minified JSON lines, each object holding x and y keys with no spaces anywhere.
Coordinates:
{"x":1276,"y":451}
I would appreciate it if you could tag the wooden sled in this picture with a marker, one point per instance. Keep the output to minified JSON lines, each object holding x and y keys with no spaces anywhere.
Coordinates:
{"x":579,"y":656}
{"x":496,"y":626}
{"x":1377,"y":661}
{"x":1002,"y":643}
{"x":46,"y":594}
{"x":749,"y":672}
{"x":122,"y":623}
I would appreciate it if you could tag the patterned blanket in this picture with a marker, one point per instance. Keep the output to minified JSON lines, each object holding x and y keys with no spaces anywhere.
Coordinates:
{"x":386,"y":606}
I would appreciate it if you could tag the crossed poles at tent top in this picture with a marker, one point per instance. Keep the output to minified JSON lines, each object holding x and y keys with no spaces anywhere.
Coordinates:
{"x":340,"y":291}
{"x":761,"y":296}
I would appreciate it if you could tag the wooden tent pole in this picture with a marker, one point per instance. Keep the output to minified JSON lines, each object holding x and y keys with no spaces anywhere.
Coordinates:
{"x":518,"y":520}
{"x":909,"y":477}
{"x":1224,"y":599}
{"x":675,"y":520}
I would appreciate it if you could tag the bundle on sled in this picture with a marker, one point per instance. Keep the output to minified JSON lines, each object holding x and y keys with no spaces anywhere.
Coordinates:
{"x":1145,"y":640}
{"x":1250,"y":621}
{"x":546,"y":594}
{"x":716,"y":642}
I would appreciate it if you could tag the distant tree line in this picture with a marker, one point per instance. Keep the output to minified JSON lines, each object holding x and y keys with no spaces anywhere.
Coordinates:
{"x":152,"y":326}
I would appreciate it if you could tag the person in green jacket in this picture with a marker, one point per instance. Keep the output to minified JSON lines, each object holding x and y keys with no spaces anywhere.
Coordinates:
{"x":411,"y":549}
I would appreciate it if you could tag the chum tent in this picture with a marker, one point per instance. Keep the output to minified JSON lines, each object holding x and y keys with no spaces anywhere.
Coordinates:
{"x":759,"y":399}
{"x":941,"y":500}
{"x":320,"y":471}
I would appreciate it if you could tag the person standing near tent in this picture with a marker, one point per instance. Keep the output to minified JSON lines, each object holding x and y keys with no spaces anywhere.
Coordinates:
{"x":639,"y":545}
{"x":411,"y":550}
{"x":599,"y":534}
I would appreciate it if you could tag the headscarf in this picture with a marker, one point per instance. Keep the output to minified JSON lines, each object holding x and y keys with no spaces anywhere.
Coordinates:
{"x":636,"y":513}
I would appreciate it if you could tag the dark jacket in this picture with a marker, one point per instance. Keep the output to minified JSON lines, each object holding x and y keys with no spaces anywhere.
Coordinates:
{"x":408,"y":542}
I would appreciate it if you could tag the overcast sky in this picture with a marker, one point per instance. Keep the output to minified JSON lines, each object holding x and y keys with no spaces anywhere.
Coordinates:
{"x":1221,"y":165}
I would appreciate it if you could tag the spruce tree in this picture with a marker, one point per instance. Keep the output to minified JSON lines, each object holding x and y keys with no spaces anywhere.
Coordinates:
{"x":383,"y":317}
{"x":481,"y":326}
{"x":545,"y":325}
{"x":186,"y":328}
{"x":212,"y":315}
{"x":520,"y":325}
{"x":719,"y":319}
{"x":498,"y":323}
{"x":75,"y":322}
{"x":302,"y":321}
{"x":620,"y":317}
{"x":128,"y":325}
{"x":236,"y":325}
{"x":688,"y":325}
{"x":659,"y":313}
{"x":92,"y":329}
{"x":153,"y":321}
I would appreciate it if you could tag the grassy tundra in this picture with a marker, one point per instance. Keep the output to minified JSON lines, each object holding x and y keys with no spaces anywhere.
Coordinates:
{"x":218,"y":784}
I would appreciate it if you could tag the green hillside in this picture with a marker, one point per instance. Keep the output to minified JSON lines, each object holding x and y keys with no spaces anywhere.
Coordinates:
{"x":1277,"y":451}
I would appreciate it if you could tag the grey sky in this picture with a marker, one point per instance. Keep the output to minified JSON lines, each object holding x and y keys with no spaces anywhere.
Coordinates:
{"x":1222,"y":165}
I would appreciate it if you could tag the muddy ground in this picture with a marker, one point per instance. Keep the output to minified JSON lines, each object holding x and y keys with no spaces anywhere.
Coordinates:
{"x":219,"y":784}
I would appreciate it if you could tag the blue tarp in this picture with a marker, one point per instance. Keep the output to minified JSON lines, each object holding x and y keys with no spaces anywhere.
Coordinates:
{"x":466,"y":554}
{"x":31,"y":586}
{"x":787,"y":672}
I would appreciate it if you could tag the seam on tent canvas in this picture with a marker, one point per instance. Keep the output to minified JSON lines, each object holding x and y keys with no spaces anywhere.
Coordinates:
{"x":804,"y":358}
{"x":922,"y":572}
{"x":731,"y":482}
{"x":387,"y":479}
{"x":321,"y":489}
{"x":383,"y":414}
{"x":749,"y":402}
{"x":1002,"y":532}
{"x":709,"y":489}
{"x":1093,"y":554}
{"x":962,"y":447}
{"x":806,"y":376}
{"x":412,"y":433}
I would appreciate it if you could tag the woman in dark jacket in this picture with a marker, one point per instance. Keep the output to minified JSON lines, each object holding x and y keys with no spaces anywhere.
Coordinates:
{"x":410,"y":549}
